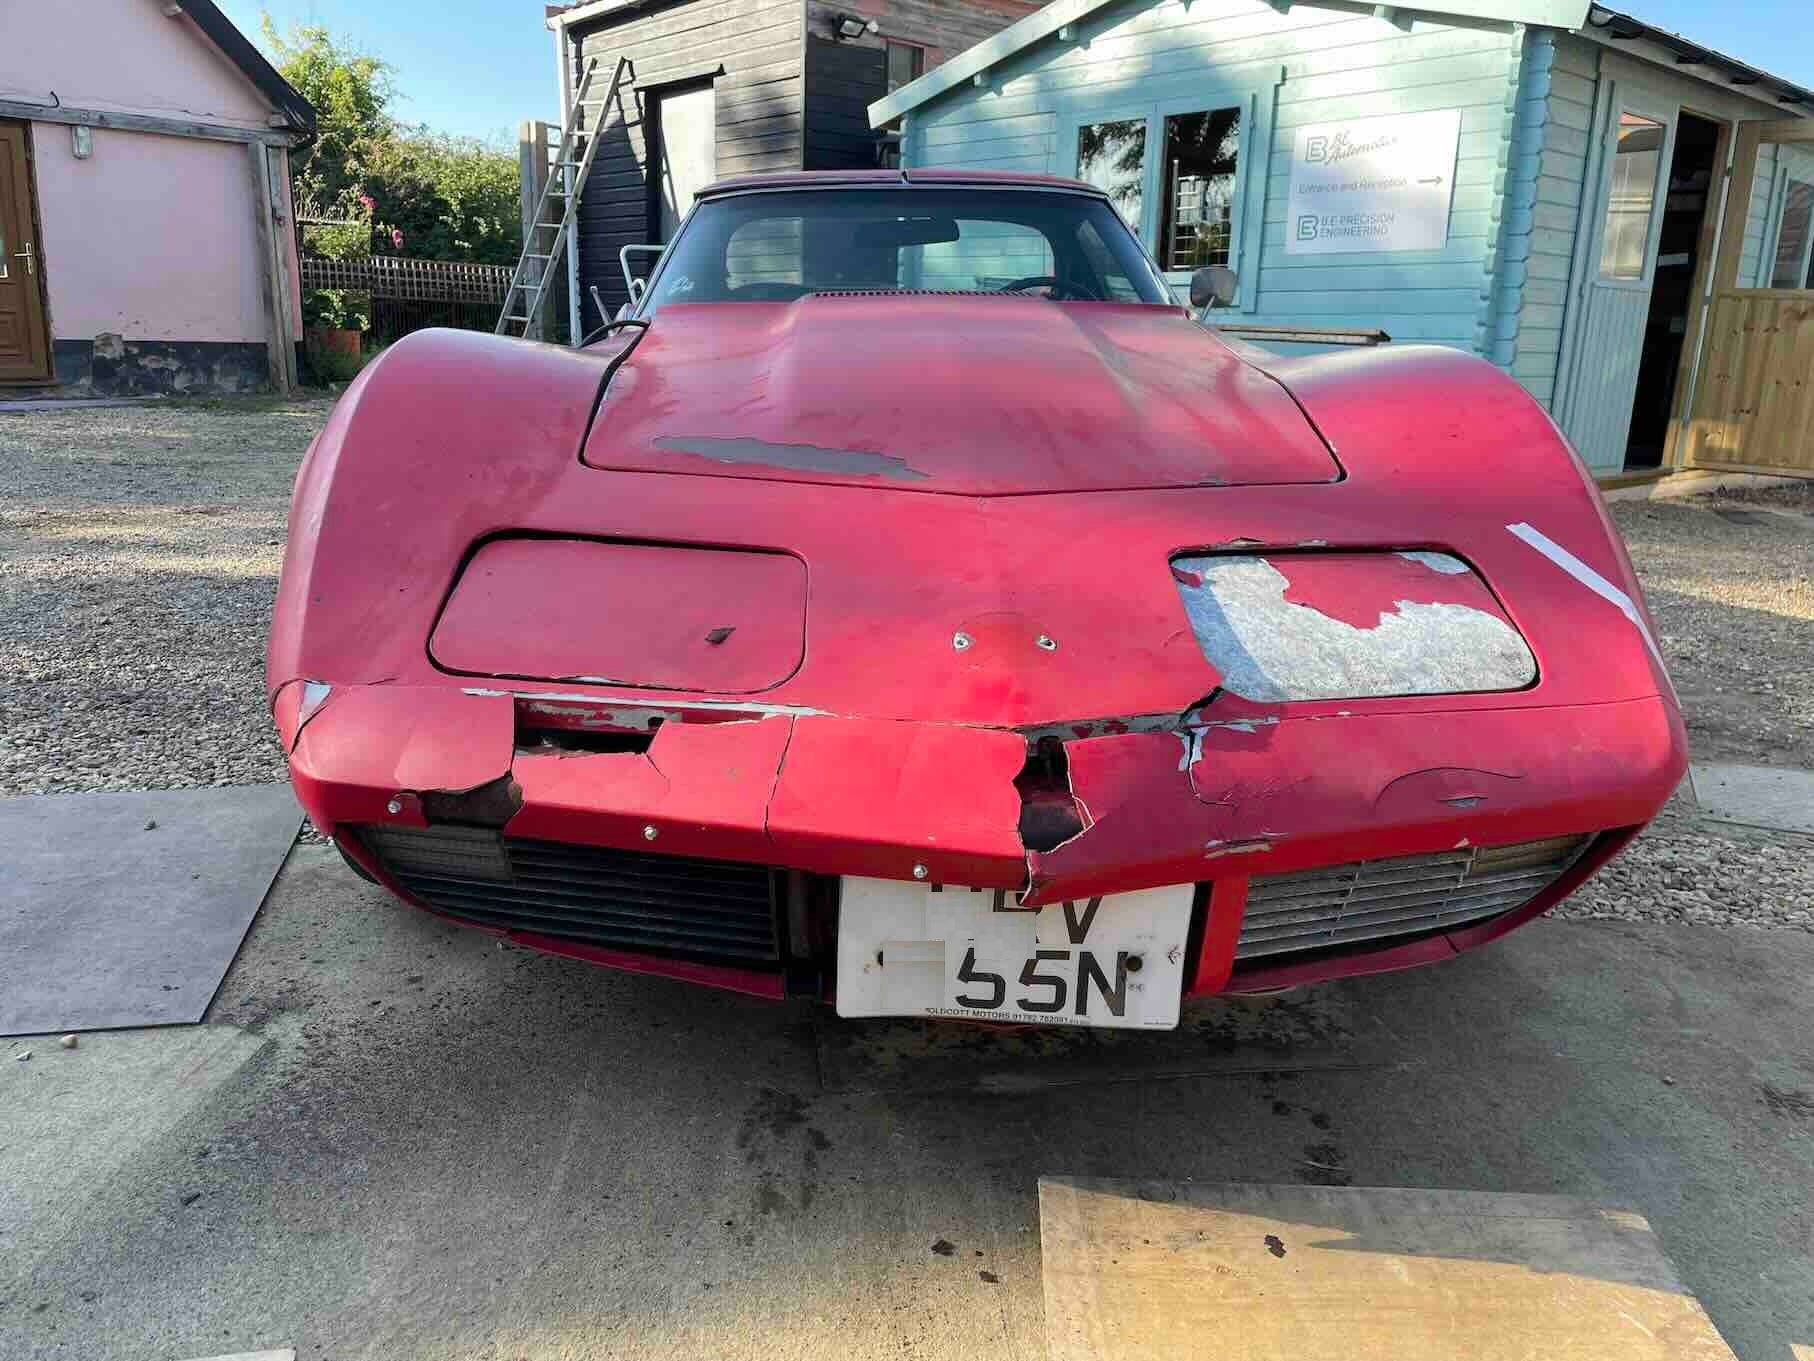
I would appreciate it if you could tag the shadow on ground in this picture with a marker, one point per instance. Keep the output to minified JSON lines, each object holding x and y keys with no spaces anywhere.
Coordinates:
{"x":424,"y":1146}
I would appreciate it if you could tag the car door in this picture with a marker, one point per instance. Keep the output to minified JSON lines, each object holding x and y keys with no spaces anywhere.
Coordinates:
{"x":24,"y":337}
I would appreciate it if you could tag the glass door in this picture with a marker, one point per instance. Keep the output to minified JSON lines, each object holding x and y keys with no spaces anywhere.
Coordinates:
{"x":1615,"y":298}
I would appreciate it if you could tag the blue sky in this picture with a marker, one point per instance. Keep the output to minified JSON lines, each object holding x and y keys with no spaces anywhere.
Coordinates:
{"x":482,"y":66}
{"x":477,"y":67}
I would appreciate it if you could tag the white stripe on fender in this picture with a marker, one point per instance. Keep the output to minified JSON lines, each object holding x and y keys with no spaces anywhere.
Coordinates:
{"x":1596,"y":583}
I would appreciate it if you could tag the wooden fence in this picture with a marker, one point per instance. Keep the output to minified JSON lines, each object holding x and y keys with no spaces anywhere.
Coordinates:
{"x":1749,"y":406}
{"x":408,"y":295}
{"x":1754,"y":404}
{"x":394,"y":276}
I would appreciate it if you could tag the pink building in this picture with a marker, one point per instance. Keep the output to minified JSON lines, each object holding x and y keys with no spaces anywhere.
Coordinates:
{"x":145,"y":234}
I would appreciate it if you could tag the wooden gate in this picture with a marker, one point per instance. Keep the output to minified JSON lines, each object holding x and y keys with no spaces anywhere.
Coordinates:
{"x":1752,"y":405}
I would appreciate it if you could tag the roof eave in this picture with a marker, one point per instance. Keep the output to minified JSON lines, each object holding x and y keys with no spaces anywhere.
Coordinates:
{"x":584,"y":13}
{"x":1609,"y":25}
{"x":1043,"y":23}
{"x":298,"y":114}
{"x":973,"y":61}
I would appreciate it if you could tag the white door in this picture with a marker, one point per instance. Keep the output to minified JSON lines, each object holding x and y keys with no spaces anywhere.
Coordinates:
{"x":1615,"y":292}
{"x":686,"y":123}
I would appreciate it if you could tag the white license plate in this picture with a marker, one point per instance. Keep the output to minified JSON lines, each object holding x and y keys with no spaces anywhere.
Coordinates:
{"x":910,"y":950}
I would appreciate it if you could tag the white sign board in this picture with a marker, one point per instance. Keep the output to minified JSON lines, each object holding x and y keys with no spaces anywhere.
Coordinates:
{"x":1372,"y":184}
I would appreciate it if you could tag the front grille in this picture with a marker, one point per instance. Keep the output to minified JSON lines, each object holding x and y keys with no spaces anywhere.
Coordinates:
{"x":714,"y":910}
{"x":1403,"y":896}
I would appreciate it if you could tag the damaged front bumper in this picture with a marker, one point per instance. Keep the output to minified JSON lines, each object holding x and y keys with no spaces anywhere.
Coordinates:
{"x":509,"y":809}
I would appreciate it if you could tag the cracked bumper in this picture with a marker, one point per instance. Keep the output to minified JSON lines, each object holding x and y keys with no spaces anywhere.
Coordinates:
{"x":1213,"y":804}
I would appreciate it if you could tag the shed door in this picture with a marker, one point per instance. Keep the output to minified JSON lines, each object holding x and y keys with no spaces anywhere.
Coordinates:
{"x":24,"y":339}
{"x":1620,"y":270}
{"x":687,"y":134}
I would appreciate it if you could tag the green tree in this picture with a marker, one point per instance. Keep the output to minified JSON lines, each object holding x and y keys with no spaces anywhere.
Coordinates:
{"x":351,"y":92}
{"x":423,"y":193}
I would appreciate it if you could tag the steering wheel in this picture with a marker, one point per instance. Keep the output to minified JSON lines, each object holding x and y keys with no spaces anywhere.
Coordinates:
{"x":1060,"y":287}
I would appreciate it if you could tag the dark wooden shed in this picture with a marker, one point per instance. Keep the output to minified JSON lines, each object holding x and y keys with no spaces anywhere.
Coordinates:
{"x":732,"y":87}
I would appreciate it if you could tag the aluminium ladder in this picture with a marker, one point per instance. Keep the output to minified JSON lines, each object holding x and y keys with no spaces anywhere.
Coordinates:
{"x":536,"y":268}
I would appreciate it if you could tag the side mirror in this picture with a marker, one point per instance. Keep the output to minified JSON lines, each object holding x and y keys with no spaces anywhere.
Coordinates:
{"x":1213,"y":286}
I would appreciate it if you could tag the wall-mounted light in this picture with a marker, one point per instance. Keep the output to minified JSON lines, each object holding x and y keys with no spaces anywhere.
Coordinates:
{"x":854,"y":26}
{"x":81,"y":141}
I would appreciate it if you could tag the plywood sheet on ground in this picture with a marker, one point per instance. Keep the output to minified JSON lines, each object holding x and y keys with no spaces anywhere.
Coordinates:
{"x":127,"y":909}
{"x":1151,"y":1271}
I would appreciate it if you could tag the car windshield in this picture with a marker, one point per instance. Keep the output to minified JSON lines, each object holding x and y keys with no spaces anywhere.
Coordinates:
{"x":775,"y":246}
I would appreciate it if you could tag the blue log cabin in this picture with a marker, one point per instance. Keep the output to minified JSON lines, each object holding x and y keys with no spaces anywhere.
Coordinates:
{"x":1551,"y":195}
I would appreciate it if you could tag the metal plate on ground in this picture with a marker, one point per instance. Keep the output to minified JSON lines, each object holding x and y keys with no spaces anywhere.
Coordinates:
{"x":1311,"y":1028}
{"x":127,"y":909}
{"x":1772,"y":797}
{"x":1151,"y":1271}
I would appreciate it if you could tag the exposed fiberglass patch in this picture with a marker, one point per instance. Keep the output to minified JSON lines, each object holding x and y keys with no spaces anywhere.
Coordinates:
{"x":1350,"y":626}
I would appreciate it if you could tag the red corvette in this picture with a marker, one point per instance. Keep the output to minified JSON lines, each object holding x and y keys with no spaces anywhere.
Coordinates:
{"x":909,"y":605}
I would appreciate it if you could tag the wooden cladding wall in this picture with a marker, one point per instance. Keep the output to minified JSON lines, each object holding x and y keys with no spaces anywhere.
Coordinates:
{"x":842,"y":80}
{"x":1754,"y":401}
{"x":751,"y":50}
{"x":943,"y":27}
{"x":1285,"y":67}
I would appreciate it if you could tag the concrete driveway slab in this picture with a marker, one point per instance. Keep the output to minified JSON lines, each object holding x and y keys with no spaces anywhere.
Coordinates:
{"x":119,"y":1094}
{"x":445,"y":1150}
{"x":1312,"y":1030}
{"x":126,"y":909}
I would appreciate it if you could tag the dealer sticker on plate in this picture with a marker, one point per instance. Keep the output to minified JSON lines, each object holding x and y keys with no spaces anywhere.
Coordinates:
{"x":912,"y":950}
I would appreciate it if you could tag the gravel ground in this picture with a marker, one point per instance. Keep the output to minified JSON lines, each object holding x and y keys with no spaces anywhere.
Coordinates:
{"x":139,"y":550}
{"x":1730,"y":580}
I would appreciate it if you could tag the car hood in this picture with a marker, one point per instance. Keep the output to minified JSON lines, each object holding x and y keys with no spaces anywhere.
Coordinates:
{"x":981,"y":395}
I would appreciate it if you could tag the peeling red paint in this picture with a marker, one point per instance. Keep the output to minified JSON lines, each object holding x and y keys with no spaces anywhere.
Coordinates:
{"x":1362,"y":588}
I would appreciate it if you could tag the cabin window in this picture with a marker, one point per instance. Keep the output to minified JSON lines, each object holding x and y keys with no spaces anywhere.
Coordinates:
{"x":1112,"y":156}
{"x":906,"y":62}
{"x":1197,"y":211}
{"x":1631,"y":198}
{"x":1790,"y":269}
